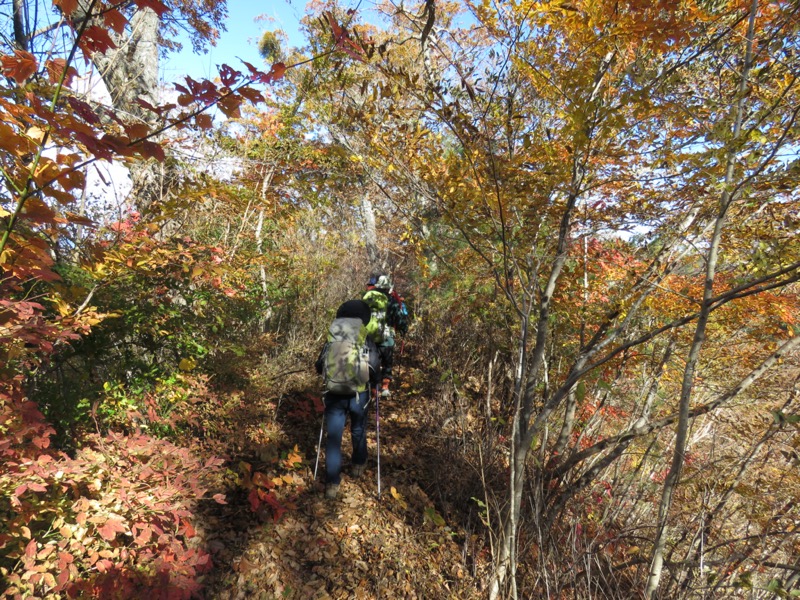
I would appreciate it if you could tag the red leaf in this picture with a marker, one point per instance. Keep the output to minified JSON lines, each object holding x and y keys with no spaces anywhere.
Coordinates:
{"x":228,"y":75}
{"x":104,"y":565}
{"x":116,"y":20}
{"x":159,"y":8}
{"x":188,"y":530}
{"x":254,"y":500}
{"x":277,"y":71}
{"x":62,"y":579}
{"x":144,"y":536}
{"x":77,"y":219}
{"x":38,"y":212}
{"x":229,"y":105}
{"x":351,"y":48}
{"x":64,"y":559}
{"x":204,"y":121}
{"x":67,"y":6}
{"x":253,"y":95}
{"x":219,"y":498}
{"x":20,"y":66}
{"x":111,"y":528}
{"x":96,"y":39}
{"x":150,"y":149}
{"x":260,"y":479}
{"x":55,"y":69}
{"x":338,"y":32}
{"x":256,"y":74}
{"x":30,"y":549}
{"x":84,"y":110}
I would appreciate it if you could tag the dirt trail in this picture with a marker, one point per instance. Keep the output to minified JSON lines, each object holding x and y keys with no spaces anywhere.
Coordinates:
{"x":357,"y":546}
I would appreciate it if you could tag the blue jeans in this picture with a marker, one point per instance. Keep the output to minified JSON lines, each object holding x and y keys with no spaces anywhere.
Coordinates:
{"x":336,"y":410}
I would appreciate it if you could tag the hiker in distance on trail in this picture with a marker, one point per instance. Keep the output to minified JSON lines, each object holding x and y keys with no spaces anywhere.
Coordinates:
{"x":389,"y":314}
{"x":350,"y":364}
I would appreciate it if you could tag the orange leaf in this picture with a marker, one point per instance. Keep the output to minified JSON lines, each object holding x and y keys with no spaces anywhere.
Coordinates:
{"x":37,"y":211}
{"x":20,"y":66}
{"x":111,"y":528}
{"x":261,"y":480}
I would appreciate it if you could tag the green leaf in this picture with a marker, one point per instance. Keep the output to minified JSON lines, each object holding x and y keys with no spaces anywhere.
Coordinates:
{"x":580,"y":391}
{"x":434,"y":517}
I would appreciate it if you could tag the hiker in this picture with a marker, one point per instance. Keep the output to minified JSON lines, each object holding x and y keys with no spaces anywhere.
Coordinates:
{"x":348,"y":377}
{"x":389,"y":314}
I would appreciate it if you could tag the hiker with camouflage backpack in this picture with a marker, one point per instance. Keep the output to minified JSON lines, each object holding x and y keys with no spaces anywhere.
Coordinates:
{"x":389,"y":315}
{"x":350,"y":364}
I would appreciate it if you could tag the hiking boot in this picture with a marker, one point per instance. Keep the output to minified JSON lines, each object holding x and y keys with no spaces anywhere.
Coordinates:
{"x":357,"y":471}
{"x":331,"y":491}
{"x":385,"y":393}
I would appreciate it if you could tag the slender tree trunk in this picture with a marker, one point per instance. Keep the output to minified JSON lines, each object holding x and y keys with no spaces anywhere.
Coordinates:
{"x":682,"y":427}
{"x":20,"y":33}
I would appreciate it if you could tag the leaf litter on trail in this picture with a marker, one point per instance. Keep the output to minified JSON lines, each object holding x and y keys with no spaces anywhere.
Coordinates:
{"x":358,"y":546}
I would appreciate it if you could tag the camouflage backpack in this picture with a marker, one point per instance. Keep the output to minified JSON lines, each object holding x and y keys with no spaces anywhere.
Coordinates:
{"x":350,"y":359}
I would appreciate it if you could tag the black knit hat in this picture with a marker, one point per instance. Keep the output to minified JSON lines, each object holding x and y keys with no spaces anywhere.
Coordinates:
{"x":354,"y":309}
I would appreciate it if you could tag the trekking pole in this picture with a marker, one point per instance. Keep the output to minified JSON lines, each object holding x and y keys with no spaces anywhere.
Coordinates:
{"x":378,"y":434}
{"x":319,"y":445}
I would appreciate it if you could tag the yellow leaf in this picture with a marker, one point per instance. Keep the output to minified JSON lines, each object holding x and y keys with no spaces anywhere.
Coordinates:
{"x":35,"y":133}
{"x":399,"y":497}
{"x":62,"y":307}
{"x":187,"y":364}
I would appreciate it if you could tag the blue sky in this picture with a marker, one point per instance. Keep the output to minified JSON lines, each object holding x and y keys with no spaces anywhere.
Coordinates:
{"x":244,"y":30}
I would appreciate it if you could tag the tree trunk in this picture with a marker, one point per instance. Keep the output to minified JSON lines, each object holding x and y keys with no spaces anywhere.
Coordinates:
{"x":20,"y":33}
{"x":130,"y":72}
{"x":682,"y":428}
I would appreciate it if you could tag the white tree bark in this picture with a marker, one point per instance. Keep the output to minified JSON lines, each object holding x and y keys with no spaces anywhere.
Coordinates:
{"x":370,"y":232}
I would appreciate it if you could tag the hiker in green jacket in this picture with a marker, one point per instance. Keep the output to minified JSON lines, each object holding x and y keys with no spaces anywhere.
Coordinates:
{"x":377,"y":296}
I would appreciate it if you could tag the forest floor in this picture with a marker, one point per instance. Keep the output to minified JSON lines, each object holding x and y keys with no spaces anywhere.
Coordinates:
{"x":398,"y":545}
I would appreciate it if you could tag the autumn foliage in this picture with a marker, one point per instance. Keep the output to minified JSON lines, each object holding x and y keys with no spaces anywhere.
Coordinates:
{"x":592,"y":210}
